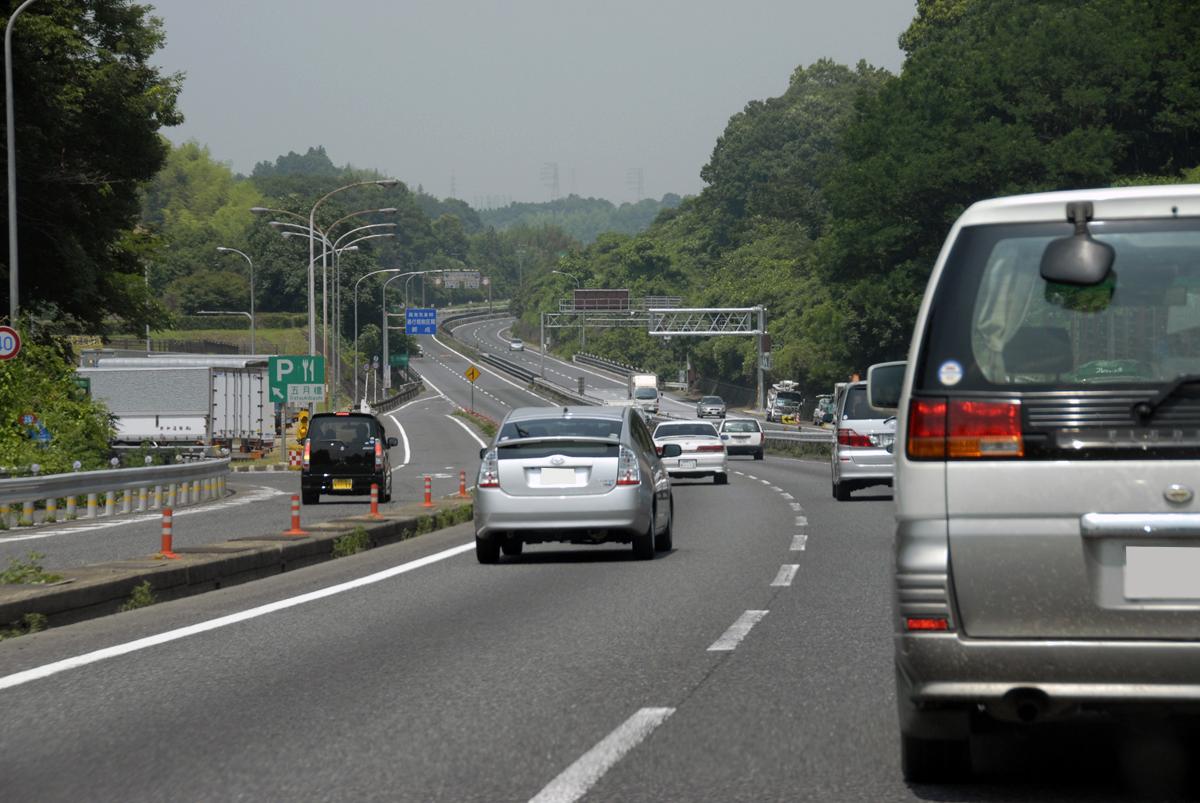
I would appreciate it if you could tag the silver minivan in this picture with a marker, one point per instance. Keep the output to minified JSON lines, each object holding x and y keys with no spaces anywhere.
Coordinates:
{"x":1047,"y":550}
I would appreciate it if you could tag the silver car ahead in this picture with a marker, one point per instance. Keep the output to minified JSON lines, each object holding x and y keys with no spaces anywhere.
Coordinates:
{"x":862,"y":451}
{"x":583,"y":475}
{"x":702,"y":450}
{"x":1047,"y":525}
{"x":710,"y":406}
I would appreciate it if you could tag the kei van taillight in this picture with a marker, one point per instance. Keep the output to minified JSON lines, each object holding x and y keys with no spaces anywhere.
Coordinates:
{"x":964,"y":429}
{"x":307,"y":452}
{"x":378,"y":456}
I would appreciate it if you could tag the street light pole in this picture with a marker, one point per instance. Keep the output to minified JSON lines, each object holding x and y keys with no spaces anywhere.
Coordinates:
{"x":14,"y":283}
{"x":250,"y":262}
{"x":360,"y":278}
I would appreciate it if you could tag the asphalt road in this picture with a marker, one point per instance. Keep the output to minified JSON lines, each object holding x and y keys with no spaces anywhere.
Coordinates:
{"x":715,"y":672}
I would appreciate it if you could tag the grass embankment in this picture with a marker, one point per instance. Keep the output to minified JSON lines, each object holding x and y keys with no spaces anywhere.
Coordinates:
{"x":484,"y":424}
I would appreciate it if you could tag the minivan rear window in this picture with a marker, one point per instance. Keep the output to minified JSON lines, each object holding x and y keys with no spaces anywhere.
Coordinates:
{"x":856,"y":407}
{"x":344,"y":429}
{"x":997,"y":325}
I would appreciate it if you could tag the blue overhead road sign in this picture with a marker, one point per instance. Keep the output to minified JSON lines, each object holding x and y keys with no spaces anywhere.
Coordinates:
{"x":420,"y":321}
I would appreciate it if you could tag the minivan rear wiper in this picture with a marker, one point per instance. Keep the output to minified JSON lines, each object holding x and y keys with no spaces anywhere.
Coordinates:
{"x":1184,"y":386}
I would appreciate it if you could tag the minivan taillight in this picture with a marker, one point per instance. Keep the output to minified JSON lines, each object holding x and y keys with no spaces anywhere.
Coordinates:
{"x":307,"y":452}
{"x":489,"y":472}
{"x":848,"y":437}
{"x":964,"y":429}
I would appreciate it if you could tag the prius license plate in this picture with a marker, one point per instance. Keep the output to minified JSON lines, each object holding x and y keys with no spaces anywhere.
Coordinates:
{"x":1162,"y":572}
{"x":687,"y":463}
{"x":343,"y":485}
{"x":558,"y":476}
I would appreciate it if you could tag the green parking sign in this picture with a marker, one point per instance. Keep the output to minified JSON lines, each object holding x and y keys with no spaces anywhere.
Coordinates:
{"x":297,"y":379}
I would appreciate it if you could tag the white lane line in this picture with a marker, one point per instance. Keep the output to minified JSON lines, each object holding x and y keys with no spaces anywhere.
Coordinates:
{"x":787,"y":573}
{"x":45,"y":671}
{"x":493,"y":373}
{"x":425,"y":379}
{"x":802,"y":521}
{"x":417,"y":401}
{"x":751,"y":477}
{"x":788,"y":497}
{"x":776,"y":489}
{"x":799,"y":541}
{"x":404,"y":439}
{"x":796,"y":507}
{"x":468,"y":430}
{"x":258,"y":494}
{"x":765,"y":482}
{"x":740,"y":474}
{"x":737,"y":631}
{"x":575,"y":781}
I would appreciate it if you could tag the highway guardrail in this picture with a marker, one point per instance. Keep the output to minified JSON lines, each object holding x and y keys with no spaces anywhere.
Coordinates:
{"x":405,"y":392}
{"x":508,"y":366}
{"x":798,"y":437}
{"x":593,"y":361}
{"x":123,"y":490}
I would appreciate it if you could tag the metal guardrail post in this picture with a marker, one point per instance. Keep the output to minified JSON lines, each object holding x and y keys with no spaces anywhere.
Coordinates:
{"x":110,"y":503}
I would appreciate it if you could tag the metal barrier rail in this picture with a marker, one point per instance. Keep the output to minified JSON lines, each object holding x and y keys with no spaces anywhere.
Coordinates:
{"x":558,"y":390}
{"x":798,"y":437}
{"x":454,"y":320}
{"x":153,"y":487}
{"x":508,"y":366}
{"x":405,"y":392}
{"x":608,"y":365}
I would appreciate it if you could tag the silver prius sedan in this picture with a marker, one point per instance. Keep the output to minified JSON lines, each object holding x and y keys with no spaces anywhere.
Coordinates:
{"x":582,"y":475}
{"x":702,"y":453}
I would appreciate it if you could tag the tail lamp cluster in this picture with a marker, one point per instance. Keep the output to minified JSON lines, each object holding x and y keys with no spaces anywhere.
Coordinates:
{"x":964,"y":429}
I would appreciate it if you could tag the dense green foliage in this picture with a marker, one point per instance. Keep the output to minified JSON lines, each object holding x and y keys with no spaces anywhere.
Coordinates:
{"x":829,"y":204}
{"x":89,"y":105}
{"x":41,"y":381}
{"x":585,"y":219}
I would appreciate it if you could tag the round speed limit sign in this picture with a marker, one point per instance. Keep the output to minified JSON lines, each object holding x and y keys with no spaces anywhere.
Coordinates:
{"x":10,"y":343}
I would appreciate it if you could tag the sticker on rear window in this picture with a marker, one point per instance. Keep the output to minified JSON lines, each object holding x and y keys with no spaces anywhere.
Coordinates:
{"x":951,"y":373}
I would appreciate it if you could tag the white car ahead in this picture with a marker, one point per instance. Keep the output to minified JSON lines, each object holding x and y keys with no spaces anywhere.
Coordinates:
{"x":702,"y":450}
{"x":743,"y":436}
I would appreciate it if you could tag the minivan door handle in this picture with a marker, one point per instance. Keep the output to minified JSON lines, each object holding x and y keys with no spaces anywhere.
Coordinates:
{"x":1140,"y":525}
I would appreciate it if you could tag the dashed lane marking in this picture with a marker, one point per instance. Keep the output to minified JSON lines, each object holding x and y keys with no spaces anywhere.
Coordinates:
{"x":737,"y":631}
{"x":799,"y":541}
{"x":787,"y":573}
{"x":788,"y":497}
{"x":802,"y":521}
{"x":575,"y":781}
{"x":796,"y":507}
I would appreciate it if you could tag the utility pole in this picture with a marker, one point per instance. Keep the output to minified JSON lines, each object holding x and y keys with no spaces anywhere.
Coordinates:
{"x":762,"y":328}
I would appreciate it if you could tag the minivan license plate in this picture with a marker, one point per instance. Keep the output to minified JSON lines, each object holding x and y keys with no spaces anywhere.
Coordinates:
{"x":1162,"y":572}
{"x":343,"y":485}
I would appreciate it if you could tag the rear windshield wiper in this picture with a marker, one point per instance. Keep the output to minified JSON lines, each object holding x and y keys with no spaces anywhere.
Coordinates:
{"x":1184,"y":386}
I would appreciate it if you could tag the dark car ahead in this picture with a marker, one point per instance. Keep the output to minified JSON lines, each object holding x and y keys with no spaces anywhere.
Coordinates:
{"x":345,"y":454}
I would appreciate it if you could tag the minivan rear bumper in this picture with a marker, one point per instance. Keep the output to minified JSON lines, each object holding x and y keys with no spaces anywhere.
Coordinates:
{"x":946,"y":667}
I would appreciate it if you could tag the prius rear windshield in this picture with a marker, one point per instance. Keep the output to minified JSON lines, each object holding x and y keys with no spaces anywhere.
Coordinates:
{"x":562,"y":427}
{"x":996,"y":324}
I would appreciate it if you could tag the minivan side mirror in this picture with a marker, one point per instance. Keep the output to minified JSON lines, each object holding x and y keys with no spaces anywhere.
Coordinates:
{"x":884,"y":381}
{"x":671,"y":450}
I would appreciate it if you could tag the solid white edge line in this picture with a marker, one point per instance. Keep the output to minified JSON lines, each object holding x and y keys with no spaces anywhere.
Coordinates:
{"x":564,"y":363}
{"x":493,"y":373}
{"x":799,"y":541}
{"x":425,"y":379}
{"x":404,"y":438}
{"x":575,"y":781}
{"x":468,"y":430}
{"x":37,"y":673}
{"x":737,"y":631}
{"x":787,"y":573}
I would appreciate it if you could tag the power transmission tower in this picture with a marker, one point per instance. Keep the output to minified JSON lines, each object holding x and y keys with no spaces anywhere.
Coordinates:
{"x":635,"y":180}
{"x":550,"y":179}
{"x":453,"y":186}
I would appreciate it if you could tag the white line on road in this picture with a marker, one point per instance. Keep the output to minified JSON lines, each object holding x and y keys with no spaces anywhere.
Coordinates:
{"x":796,"y":507}
{"x":765,"y":482}
{"x":751,"y":477}
{"x":776,"y":489}
{"x":425,"y":380}
{"x":403,"y":438}
{"x":463,"y":424}
{"x":788,"y":497}
{"x":787,"y":573}
{"x":799,"y":541}
{"x":802,"y":521}
{"x":37,"y":673}
{"x":736,"y":632}
{"x":486,"y":370}
{"x":575,"y":781}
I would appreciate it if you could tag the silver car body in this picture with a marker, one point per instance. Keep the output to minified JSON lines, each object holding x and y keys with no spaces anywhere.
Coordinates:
{"x":703,"y":450}
{"x":516,"y":344}
{"x":1051,"y":564}
{"x":863,"y":444}
{"x":558,"y":477}
{"x":710,"y":406}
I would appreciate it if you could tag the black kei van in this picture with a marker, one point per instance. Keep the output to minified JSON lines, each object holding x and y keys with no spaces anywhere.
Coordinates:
{"x":345,"y":453}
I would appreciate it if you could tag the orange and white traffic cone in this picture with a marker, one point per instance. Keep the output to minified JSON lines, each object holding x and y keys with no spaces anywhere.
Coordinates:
{"x":462,"y":485}
{"x":168,"y":549}
{"x":375,"y":514}
{"x":295,"y":518}
{"x":428,"y":492}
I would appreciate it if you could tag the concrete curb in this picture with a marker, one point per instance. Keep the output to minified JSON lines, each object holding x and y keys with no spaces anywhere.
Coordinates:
{"x":101,"y":589}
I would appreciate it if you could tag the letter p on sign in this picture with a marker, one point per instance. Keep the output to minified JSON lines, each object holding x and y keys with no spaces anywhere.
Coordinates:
{"x":283,"y":369}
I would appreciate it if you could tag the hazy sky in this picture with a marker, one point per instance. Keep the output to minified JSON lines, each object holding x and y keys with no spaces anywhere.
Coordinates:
{"x":486,"y":93}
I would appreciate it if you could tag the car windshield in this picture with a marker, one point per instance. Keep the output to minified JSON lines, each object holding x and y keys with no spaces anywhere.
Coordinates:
{"x":741,"y":426}
{"x":788,"y":398}
{"x":645,"y":393}
{"x":1141,"y":325}
{"x":711,"y":400}
{"x":563,"y":426}
{"x":685,"y":431}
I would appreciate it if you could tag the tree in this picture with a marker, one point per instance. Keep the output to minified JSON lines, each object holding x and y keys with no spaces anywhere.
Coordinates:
{"x":89,"y":106}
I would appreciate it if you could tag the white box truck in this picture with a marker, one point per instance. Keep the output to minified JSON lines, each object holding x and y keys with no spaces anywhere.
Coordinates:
{"x":643,"y":389}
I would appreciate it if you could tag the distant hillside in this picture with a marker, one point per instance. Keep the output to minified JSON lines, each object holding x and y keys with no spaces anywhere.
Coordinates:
{"x":582,"y":218}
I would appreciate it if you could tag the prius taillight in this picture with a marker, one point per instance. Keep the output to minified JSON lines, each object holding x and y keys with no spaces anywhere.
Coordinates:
{"x":964,"y":429}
